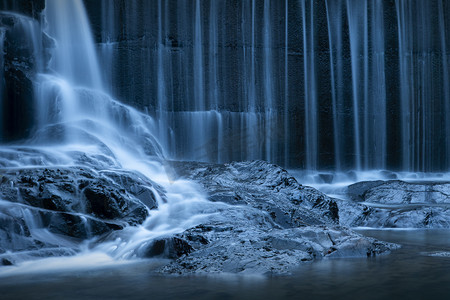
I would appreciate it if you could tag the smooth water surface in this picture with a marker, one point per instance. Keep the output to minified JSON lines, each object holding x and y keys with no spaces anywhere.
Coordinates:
{"x":419,"y":270}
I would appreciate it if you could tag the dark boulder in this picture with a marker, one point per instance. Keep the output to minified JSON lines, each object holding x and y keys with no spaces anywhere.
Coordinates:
{"x":25,"y":51}
{"x":263,"y":186}
{"x":75,"y":203}
{"x":268,"y":223}
{"x":30,"y":8}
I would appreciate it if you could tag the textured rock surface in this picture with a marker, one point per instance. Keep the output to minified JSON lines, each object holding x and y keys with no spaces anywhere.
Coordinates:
{"x":265,"y":187}
{"x":25,"y":51}
{"x":272,"y":225}
{"x":76,"y":203}
{"x":397,"y":204}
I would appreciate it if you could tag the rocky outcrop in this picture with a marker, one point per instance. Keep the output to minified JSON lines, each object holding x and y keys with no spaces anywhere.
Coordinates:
{"x":25,"y":51}
{"x":397,"y":204}
{"x":263,"y":186}
{"x":31,"y":8}
{"x":269,"y":225}
{"x":40,"y":207}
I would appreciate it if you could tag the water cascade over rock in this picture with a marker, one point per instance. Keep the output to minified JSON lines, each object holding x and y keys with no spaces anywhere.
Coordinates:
{"x":337,"y":85}
{"x":84,"y":177}
{"x":79,"y":165}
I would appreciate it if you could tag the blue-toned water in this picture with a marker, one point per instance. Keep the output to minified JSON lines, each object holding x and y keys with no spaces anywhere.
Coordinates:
{"x":419,"y":270}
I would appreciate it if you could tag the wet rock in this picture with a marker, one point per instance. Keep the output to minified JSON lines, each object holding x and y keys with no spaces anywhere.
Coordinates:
{"x":253,"y":245}
{"x":21,"y":59}
{"x":270,"y":224}
{"x":357,"y":191}
{"x":263,"y":186}
{"x":6,"y":262}
{"x":172,"y":247}
{"x":326,"y":177}
{"x":72,"y":202}
{"x":29,"y":8}
{"x":397,"y":204}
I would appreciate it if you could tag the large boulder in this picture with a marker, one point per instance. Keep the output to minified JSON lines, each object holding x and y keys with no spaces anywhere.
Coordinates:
{"x":268,"y":223}
{"x":263,"y":186}
{"x":41,"y":206}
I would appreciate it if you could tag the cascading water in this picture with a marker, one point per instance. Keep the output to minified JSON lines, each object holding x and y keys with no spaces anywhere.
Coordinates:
{"x":79,"y":126}
{"x":2,"y":66}
{"x":329,"y":85}
{"x":310,"y":85}
{"x":319,"y":85}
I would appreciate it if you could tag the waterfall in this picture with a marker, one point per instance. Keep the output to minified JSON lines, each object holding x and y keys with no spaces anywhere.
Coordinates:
{"x":286,"y":84}
{"x":268,"y":89}
{"x":334,"y":85}
{"x":334,"y":12}
{"x":2,"y":81}
{"x":319,"y":85}
{"x":76,"y":123}
{"x":376,"y":146}
{"x":310,"y":85}
{"x":75,"y":59}
{"x":356,"y":11}
{"x":446,"y":75}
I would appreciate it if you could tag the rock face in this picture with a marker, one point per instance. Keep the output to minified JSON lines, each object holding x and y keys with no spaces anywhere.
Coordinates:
{"x":265,"y":187}
{"x":397,"y":204}
{"x":40,"y":207}
{"x":25,"y":51}
{"x":271,"y":226}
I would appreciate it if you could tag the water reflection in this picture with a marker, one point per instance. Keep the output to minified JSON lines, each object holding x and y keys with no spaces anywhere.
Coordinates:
{"x":408,"y":273}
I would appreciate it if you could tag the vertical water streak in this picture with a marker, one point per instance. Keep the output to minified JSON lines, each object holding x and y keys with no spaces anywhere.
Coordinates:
{"x":213,"y":79}
{"x":357,"y":12}
{"x":213,"y":41}
{"x":428,"y":95}
{"x":406,"y":82}
{"x":378,"y":82}
{"x":253,"y":127}
{"x":75,"y":59}
{"x":367,"y":114}
{"x":161,"y":82}
{"x":268,"y":89}
{"x":310,"y":85}
{"x":334,"y":21}
{"x":446,"y":77}
{"x":286,"y":83}
{"x":107,"y":45}
{"x":2,"y":81}
{"x":198,"y":60}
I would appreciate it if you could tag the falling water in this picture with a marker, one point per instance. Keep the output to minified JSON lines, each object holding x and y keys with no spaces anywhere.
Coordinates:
{"x":356,"y":11}
{"x":377,"y":142}
{"x":75,"y":59}
{"x":334,"y":12}
{"x":320,"y":85}
{"x":268,"y":89}
{"x":199,"y":83}
{"x":77,"y":123}
{"x":335,"y":85}
{"x":2,"y":80}
{"x":286,"y":83}
{"x":310,"y":85}
{"x":446,"y":75}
